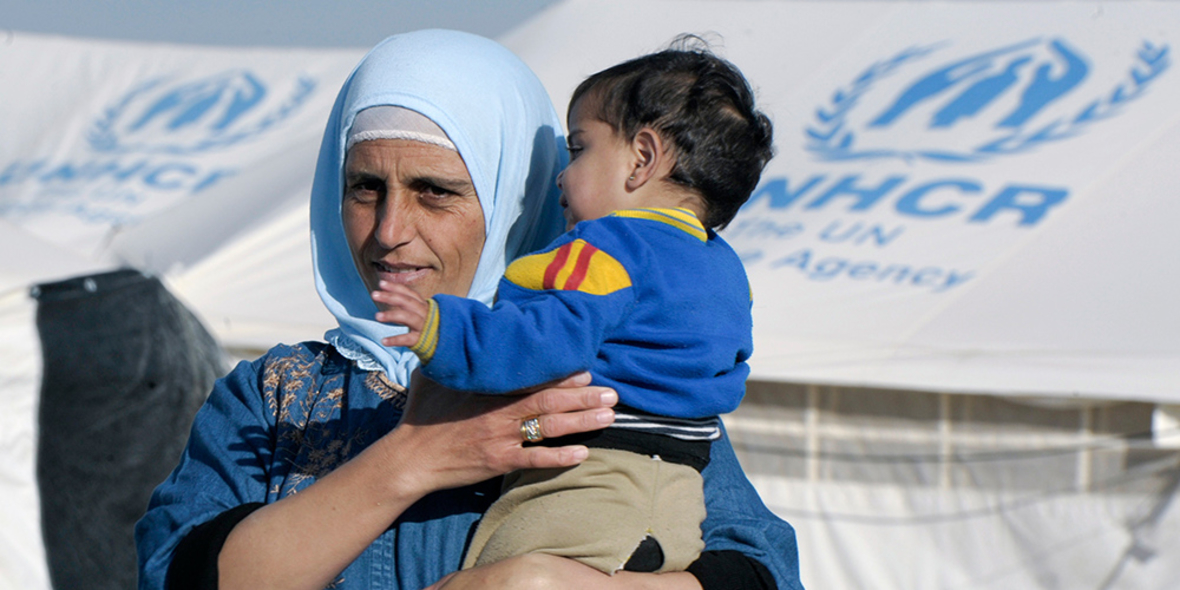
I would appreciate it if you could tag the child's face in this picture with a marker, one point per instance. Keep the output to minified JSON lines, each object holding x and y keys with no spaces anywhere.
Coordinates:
{"x":595,"y":182}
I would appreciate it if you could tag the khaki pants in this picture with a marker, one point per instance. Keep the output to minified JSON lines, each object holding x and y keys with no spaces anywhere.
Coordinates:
{"x":597,"y":512}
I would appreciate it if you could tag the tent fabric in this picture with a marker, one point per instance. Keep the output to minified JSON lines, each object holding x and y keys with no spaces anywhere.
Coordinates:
{"x":862,"y":536}
{"x":970,"y":197}
{"x":158,"y":157}
{"x":972,"y":202}
{"x":126,"y":367}
{"x":904,"y":490}
{"x":22,"y":553}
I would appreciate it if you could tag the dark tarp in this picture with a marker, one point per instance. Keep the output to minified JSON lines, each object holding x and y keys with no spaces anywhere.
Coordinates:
{"x":126,"y":366}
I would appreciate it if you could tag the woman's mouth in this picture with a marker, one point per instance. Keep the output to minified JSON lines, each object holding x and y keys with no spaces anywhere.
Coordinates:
{"x":400,"y":272}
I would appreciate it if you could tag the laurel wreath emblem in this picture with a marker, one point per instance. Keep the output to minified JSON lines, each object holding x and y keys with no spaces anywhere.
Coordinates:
{"x":102,"y":136}
{"x":829,"y":139}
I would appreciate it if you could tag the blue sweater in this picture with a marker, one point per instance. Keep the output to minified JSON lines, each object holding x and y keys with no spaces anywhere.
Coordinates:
{"x":649,"y":301}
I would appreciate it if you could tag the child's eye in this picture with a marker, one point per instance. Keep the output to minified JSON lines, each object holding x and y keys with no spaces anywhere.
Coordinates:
{"x":574,"y":151}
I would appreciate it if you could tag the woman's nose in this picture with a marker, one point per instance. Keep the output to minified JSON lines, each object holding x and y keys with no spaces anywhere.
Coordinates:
{"x":396,"y":224}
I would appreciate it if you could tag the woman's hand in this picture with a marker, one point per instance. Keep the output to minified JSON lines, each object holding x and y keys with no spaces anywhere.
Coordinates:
{"x":537,"y":571}
{"x":446,"y":439}
{"x":459,"y":438}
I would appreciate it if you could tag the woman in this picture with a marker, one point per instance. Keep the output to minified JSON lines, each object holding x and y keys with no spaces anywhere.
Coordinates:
{"x":437,"y":194}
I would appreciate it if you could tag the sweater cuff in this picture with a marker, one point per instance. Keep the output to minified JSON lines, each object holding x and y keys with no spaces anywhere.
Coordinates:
{"x":731,"y":570}
{"x":194,"y":564}
{"x":428,"y":340}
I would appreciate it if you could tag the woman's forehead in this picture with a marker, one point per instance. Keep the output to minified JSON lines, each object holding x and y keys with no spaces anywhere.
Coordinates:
{"x":404,"y":157}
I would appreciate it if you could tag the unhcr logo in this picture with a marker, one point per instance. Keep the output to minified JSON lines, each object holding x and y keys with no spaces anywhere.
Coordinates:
{"x":1003,"y":101}
{"x":163,"y":141}
{"x":161,"y":116}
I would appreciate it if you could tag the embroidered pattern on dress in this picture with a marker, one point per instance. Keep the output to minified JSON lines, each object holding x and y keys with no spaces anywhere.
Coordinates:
{"x":388,"y":390}
{"x":311,"y":435}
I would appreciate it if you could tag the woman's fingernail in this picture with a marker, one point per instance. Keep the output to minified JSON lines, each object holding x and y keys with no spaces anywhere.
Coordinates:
{"x":609,"y":397}
{"x":579,"y":454}
{"x":605,"y":417}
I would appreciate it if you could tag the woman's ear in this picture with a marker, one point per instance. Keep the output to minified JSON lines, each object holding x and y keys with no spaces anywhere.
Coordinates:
{"x":651,"y":158}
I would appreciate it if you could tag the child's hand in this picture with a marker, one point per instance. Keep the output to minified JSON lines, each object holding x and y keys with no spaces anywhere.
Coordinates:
{"x":401,"y":306}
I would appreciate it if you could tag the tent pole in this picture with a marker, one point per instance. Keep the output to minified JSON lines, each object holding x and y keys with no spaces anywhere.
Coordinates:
{"x":1086,"y":452}
{"x":945,"y":447}
{"x":811,"y":421}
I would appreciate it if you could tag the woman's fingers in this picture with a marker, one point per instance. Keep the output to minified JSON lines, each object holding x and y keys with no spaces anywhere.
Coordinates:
{"x":576,"y":380}
{"x":466,"y":437}
{"x":547,"y":458}
{"x":558,"y":400}
{"x":561,"y":413}
{"x":562,"y":424}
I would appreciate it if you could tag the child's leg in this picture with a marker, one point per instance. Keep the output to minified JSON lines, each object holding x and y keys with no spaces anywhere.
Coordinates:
{"x":597,"y":513}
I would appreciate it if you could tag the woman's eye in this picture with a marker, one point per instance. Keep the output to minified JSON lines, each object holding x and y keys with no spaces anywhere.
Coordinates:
{"x":435,"y":191}
{"x":366,"y":190}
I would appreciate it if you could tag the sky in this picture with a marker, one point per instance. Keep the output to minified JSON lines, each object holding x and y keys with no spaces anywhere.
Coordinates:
{"x":289,"y":23}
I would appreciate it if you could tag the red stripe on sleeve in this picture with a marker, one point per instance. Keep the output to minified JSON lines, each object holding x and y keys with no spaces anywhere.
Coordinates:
{"x":583,"y":264}
{"x":562,"y":254}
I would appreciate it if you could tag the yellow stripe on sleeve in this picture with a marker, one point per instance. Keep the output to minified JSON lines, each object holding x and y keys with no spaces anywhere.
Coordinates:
{"x":428,"y":340}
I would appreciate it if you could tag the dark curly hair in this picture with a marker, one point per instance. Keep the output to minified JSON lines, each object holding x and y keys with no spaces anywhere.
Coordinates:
{"x":704,"y":106}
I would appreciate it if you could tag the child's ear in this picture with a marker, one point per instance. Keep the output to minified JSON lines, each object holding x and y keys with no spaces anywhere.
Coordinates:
{"x":651,"y":158}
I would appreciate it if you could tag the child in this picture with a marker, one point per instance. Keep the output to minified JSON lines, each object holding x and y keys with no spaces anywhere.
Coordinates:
{"x":641,"y":292}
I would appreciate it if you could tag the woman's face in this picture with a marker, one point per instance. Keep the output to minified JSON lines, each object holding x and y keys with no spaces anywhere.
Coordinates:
{"x":411,"y":216}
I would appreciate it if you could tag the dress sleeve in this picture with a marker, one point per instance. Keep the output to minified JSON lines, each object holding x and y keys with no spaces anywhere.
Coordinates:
{"x":554,"y":309}
{"x":194,"y":564}
{"x":224,"y":466}
{"x":731,"y":570}
{"x":737,"y":520}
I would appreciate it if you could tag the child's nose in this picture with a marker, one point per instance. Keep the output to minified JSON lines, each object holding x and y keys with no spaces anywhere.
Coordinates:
{"x":560,"y":175}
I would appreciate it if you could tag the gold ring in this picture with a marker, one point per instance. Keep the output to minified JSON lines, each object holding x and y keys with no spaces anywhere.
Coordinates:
{"x":530,"y":430}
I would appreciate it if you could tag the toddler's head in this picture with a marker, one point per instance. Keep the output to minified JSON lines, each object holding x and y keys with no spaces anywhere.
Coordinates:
{"x":685,"y":103}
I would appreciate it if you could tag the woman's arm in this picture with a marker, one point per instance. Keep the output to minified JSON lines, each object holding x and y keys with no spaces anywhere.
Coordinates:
{"x":445,"y":440}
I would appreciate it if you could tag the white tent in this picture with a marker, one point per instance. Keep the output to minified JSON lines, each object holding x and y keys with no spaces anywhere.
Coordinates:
{"x":949,"y":178}
{"x":971,"y":204}
{"x":963,"y":265}
{"x":190,"y":164}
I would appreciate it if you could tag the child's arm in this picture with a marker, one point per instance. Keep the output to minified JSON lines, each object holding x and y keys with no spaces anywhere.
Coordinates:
{"x":405,"y":307}
{"x":553,"y":311}
{"x":528,"y":338}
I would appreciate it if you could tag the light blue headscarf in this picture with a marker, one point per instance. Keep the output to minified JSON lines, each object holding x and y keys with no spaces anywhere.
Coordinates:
{"x":500,"y":119}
